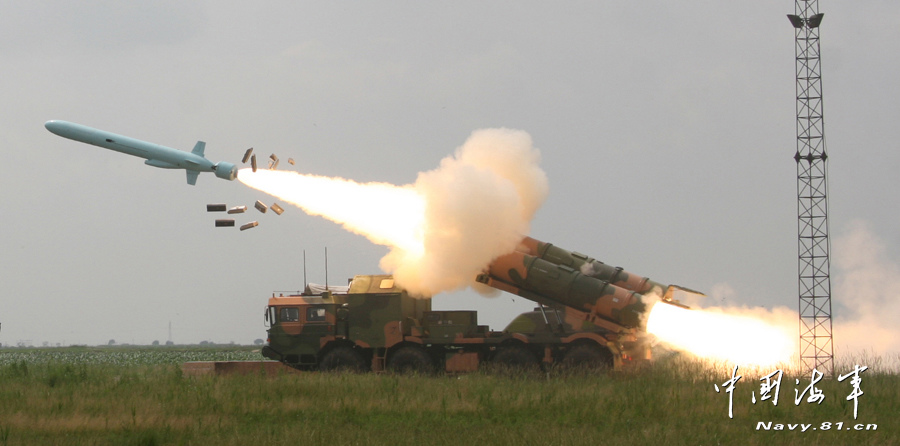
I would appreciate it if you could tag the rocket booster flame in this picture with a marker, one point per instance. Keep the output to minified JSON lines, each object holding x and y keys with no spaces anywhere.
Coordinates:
{"x":386,"y":214}
{"x":717,"y":335}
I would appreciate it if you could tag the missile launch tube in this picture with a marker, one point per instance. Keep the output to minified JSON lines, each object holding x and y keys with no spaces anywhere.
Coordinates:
{"x":533,"y":277}
{"x":590,"y":267}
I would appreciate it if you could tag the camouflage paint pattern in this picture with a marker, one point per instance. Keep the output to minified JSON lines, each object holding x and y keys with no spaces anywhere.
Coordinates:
{"x":584,"y":301}
{"x":374,"y":319}
{"x":590,"y":267}
{"x":566,"y":286}
{"x":370,"y":315}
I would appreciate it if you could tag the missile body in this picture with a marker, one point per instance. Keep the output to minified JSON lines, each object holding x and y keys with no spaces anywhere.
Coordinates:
{"x":192,"y":162}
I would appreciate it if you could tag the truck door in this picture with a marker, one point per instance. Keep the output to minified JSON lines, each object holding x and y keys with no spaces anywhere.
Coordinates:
{"x":319,"y":321}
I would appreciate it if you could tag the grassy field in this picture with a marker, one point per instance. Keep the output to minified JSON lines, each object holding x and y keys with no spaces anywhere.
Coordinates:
{"x":138,"y":396}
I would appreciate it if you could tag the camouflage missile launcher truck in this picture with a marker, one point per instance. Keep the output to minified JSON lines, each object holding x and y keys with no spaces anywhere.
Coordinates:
{"x":588,"y":314}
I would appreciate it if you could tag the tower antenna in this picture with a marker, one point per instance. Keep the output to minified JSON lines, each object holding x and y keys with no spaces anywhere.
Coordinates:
{"x":816,"y":347}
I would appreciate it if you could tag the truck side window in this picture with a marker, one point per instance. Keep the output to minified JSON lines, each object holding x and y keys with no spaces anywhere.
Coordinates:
{"x":289,"y":315}
{"x":315,"y":314}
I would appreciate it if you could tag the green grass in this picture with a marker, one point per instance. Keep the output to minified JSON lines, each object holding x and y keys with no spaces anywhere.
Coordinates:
{"x":78,"y":401}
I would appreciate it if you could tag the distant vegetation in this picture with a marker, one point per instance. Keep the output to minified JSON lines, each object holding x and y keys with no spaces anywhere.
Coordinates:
{"x":126,"y":356}
{"x":138,"y":396}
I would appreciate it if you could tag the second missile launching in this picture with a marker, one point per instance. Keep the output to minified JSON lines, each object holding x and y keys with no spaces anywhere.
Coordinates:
{"x":192,"y":162}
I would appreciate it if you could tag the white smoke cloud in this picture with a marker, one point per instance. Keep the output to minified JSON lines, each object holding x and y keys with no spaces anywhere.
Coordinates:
{"x":865,"y":291}
{"x":479,"y":205}
{"x":444,"y":229}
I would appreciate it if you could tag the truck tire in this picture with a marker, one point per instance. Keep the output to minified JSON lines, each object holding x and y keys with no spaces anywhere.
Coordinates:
{"x":342,"y":359}
{"x":410,"y":359}
{"x":588,"y":357}
{"x":516,"y":357}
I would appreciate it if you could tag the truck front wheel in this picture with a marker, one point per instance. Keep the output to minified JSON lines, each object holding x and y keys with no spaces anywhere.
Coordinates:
{"x":587,"y":356}
{"x":342,"y":359}
{"x":410,"y":360}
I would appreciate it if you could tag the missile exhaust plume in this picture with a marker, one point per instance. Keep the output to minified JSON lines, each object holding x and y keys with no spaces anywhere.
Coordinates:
{"x":741,"y":336}
{"x":866,"y":280}
{"x":386,"y":214}
{"x":447,"y":226}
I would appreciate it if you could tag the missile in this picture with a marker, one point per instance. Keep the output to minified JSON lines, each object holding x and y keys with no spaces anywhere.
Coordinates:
{"x":192,"y":162}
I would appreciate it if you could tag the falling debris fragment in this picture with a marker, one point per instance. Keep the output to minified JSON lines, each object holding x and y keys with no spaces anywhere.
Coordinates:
{"x":224,"y":223}
{"x":247,"y":155}
{"x":253,"y":162}
{"x":252,"y":224}
{"x":276,"y":208}
{"x":237,"y":210}
{"x":215,"y":208}
{"x":273,"y":162}
{"x":260,"y":206}
{"x":291,"y":161}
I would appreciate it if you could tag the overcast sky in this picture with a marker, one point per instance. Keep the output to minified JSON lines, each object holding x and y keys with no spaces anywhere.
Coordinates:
{"x":666,"y":131}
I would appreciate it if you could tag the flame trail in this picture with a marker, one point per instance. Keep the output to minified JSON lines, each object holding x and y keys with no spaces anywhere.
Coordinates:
{"x":386,"y":214}
{"x":442,"y":230}
{"x":727,"y":335}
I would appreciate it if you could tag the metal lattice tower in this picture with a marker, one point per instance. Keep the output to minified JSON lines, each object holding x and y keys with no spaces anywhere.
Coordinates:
{"x":816,"y":350}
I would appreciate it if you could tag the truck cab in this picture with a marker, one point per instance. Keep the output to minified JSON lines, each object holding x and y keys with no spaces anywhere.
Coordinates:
{"x":361,"y":320}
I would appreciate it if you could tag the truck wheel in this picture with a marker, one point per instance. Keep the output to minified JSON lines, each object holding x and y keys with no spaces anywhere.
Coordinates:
{"x":516,"y":357}
{"x":411,"y":360}
{"x":588,"y":357}
{"x":342,"y":359}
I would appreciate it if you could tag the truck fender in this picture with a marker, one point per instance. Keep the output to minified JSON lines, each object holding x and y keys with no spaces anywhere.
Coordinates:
{"x":324,"y":341}
{"x":586,"y":335}
{"x":521,"y":338}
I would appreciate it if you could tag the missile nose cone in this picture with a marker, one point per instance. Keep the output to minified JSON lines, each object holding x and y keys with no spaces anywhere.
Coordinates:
{"x":55,"y":126}
{"x":72,"y":131}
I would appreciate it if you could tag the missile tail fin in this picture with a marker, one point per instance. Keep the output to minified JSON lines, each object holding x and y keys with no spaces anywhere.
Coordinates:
{"x":199,"y":148}
{"x":192,"y":176}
